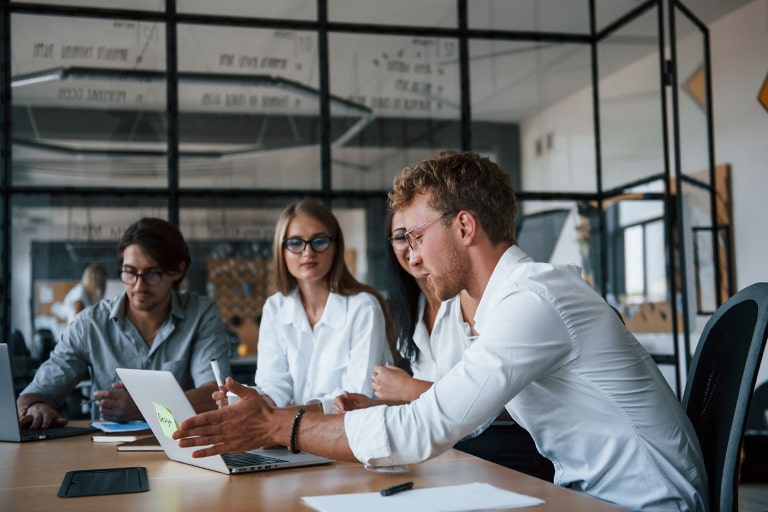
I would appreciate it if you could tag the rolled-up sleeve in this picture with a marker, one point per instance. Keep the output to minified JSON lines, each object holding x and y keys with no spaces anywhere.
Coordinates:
{"x":491,"y":372}
{"x":367,"y":435}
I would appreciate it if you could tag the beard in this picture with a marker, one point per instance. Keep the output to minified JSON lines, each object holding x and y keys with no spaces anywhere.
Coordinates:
{"x":451,"y":274}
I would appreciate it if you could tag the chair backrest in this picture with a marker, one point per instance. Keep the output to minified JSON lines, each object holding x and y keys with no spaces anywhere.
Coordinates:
{"x":719,"y":387}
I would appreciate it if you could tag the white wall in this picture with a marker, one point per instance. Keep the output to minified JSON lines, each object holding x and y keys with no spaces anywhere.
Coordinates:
{"x":739,"y":50}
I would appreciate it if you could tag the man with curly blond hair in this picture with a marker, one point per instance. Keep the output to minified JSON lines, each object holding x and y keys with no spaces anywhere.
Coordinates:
{"x":550,"y":351}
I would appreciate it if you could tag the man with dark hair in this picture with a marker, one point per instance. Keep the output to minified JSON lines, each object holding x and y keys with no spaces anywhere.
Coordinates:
{"x":550,"y":351}
{"x":150,"y":326}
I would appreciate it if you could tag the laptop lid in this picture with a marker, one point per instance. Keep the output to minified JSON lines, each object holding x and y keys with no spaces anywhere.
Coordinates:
{"x":164,"y":406}
{"x":9,"y":419}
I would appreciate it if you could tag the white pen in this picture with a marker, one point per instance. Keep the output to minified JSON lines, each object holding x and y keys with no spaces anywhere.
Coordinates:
{"x":217,"y":372}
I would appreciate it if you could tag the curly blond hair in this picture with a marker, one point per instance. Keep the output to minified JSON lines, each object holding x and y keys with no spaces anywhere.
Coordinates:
{"x":454,"y":181}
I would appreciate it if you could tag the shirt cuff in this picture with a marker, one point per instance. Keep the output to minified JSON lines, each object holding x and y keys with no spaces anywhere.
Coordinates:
{"x":367,"y":435}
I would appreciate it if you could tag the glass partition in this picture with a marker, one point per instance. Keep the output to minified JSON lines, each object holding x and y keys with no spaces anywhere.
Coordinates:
{"x":630,"y":88}
{"x":249,"y":106}
{"x":566,"y":16}
{"x":89,"y":101}
{"x":53,"y":239}
{"x":693,"y":101}
{"x":544,"y":88}
{"x":287,"y":9}
{"x":403,"y":101}
{"x":253,"y":104}
{"x":142,"y":5}
{"x":232,"y":249}
{"x":431,"y":13}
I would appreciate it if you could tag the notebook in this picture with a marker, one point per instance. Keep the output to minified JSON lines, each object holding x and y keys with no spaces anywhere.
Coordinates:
{"x":9,"y":419}
{"x":164,"y":405}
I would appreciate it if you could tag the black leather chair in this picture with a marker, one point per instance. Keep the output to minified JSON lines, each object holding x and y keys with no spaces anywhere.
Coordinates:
{"x":719,"y":387}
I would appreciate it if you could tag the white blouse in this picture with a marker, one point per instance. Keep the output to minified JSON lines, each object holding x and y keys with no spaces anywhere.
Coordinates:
{"x":451,"y":336}
{"x":297,"y":364}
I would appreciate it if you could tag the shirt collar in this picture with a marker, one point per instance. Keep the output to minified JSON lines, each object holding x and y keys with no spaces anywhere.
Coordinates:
{"x":117,"y":312}
{"x":512,"y":257}
{"x":334,"y":315}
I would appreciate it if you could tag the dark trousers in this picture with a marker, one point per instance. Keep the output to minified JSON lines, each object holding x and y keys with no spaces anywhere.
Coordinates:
{"x":510,"y":445}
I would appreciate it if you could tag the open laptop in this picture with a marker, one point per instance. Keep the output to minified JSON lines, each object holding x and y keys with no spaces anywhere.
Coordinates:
{"x":9,"y":419}
{"x":161,"y":400}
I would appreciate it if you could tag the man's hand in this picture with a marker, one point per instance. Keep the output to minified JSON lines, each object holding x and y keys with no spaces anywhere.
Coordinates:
{"x":246,"y":425}
{"x":116,"y":405}
{"x":351,"y":401}
{"x":40,"y":415}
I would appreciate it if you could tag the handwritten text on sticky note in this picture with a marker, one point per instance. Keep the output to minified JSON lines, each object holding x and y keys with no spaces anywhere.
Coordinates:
{"x":166,"y":419}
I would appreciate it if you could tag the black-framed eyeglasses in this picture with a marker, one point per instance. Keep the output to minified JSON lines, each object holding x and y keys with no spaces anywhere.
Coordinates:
{"x":152,"y":277}
{"x":318,"y":244}
{"x":397,"y":239}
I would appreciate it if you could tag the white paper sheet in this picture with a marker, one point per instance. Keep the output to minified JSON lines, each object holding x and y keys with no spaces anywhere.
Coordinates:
{"x":451,"y":498}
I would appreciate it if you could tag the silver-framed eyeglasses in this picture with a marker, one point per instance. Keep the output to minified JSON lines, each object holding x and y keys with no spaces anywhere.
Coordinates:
{"x":318,"y":244}
{"x":415,"y":241}
{"x":397,"y":239}
{"x":151,"y":277}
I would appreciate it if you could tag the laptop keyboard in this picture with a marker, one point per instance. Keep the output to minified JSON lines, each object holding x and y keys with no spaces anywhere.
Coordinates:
{"x":249,"y":459}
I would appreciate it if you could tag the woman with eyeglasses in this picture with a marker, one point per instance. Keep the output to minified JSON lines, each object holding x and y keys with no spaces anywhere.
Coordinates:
{"x":432,"y":335}
{"x":323,"y":331}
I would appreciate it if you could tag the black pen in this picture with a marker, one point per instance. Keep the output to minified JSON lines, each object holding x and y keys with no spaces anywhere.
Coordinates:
{"x":389,"y":491}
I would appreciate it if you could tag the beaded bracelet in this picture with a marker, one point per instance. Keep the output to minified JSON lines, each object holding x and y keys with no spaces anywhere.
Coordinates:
{"x":294,"y":431}
{"x":30,"y":404}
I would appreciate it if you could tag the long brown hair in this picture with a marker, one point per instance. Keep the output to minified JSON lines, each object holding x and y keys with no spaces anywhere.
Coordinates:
{"x":340,"y":279}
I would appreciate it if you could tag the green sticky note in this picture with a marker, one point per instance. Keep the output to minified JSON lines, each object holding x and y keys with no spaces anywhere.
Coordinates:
{"x":166,"y":419}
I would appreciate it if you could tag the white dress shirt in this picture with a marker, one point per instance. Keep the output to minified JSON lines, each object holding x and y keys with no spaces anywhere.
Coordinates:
{"x":572,"y":375}
{"x":298,"y":364}
{"x":450,"y":337}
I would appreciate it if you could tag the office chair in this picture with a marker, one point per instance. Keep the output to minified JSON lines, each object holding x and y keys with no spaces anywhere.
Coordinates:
{"x":720,"y":384}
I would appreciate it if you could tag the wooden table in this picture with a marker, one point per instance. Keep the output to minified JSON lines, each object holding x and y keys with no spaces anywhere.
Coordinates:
{"x":31,"y":473}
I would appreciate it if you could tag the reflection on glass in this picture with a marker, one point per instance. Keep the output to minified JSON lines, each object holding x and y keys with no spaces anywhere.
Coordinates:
{"x":286,"y":9}
{"x":142,"y":5}
{"x":410,"y":88}
{"x":638,"y":224}
{"x":429,"y":13}
{"x":655,"y":261}
{"x":703,"y":260}
{"x":635,"y":285}
{"x":249,"y":108}
{"x":545,"y":89}
{"x":569,"y":16}
{"x":88,"y":109}
{"x":692,"y":105}
{"x":51,"y":245}
{"x":630,"y":103}
{"x":547,"y":232}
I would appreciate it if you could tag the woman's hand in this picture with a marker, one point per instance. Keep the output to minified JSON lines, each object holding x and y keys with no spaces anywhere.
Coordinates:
{"x":351,"y":401}
{"x":393,"y":384}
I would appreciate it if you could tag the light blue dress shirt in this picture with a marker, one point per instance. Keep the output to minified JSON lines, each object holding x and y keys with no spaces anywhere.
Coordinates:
{"x":102,"y":337}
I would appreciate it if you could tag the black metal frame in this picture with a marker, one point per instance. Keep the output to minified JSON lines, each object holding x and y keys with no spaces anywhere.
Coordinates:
{"x":322,"y":26}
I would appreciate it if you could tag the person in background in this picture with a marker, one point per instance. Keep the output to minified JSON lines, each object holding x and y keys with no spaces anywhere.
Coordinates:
{"x":322,"y":333}
{"x":87,"y":292}
{"x":150,"y":326}
{"x":550,"y":351}
{"x":432,"y":336}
